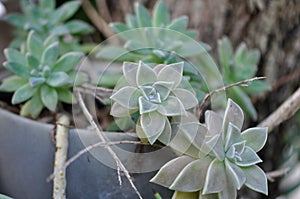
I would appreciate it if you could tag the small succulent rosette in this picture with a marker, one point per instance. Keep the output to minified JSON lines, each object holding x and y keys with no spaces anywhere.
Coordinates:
{"x":153,"y":96}
{"x":226,"y":159}
{"x":41,"y":76}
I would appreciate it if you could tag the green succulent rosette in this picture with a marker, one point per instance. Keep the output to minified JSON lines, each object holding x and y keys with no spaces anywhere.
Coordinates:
{"x":220,"y":160}
{"x":155,"y":95}
{"x":41,"y":77}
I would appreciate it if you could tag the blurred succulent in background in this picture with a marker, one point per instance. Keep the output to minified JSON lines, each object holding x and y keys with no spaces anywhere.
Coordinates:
{"x":237,"y":66}
{"x":226,"y":158}
{"x":41,"y":77}
{"x":156,"y":39}
{"x":47,"y":20}
{"x":155,"y":94}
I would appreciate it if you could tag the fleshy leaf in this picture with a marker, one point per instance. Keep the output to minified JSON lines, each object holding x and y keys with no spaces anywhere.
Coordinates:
{"x":236,"y":173}
{"x":195,"y":133}
{"x":233,"y":114}
{"x":49,"y":97}
{"x":168,"y":173}
{"x":171,"y":107}
{"x":67,"y":62}
{"x":33,"y":106}
{"x":153,"y":125}
{"x":65,"y":11}
{"x":186,"y":97}
{"x":50,"y":55}
{"x":145,"y":106}
{"x":143,"y":16}
{"x":213,"y":122}
{"x":79,"y":27}
{"x":36,"y":81}
{"x":118,"y":111}
{"x":32,"y":61}
{"x":65,"y":95}
{"x":12,"y":83}
{"x":17,"y":69}
{"x":172,"y":73}
{"x":14,"y":55}
{"x":35,"y":44}
{"x":229,"y":191}
{"x":163,"y":88}
{"x":215,"y":179}
{"x":249,"y":158}
{"x":145,"y":75}
{"x":233,"y":135}
{"x":192,"y":177}
{"x":58,"y":79}
{"x":23,"y":93}
{"x":256,"y":179}
{"x":166,"y":135}
{"x":127,"y":97}
{"x":130,"y":72}
{"x":161,"y":15}
{"x":256,"y":137}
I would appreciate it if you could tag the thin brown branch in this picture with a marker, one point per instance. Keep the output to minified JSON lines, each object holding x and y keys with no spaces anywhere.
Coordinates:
{"x":240,"y":83}
{"x":104,"y":139}
{"x":286,"y":110}
{"x":97,"y":20}
{"x":103,"y":10}
{"x":91,"y":147}
{"x":277,"y":173}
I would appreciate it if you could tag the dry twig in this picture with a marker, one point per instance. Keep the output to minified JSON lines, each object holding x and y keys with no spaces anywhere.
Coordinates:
{"x":240,"y":83}
{"x":97,"y":20}
{"x":277,"y":173}
{"x":103,"y":139}
{"x":103,"y":10}
{"x":287,"y":109}
{"x":60,"y":181}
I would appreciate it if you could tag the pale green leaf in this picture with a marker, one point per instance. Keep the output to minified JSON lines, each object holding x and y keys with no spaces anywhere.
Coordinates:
{"x":233,"y":114}
{"x":79,"y":27}
{"x":161,"y":14}
{"x":130,"y":72}
{"x":256,"y":179}
{"x":172,"y":73}
{"x":65,"y":11}
{"x":145,"y":74}
{"x":166,"y":135}
{"x":17,"y":69}
{"x":59,"y":79}
{"x":146,"y":106}
{"x":36,"y":81}
{"x":255,"y":137}
{"x":192,"y":176}
{"x":32,"y":61}
{"x":235,"y":173}
{"x":153,"y":124}
{"x":23,"y":93}
{"x":168,"y":173}
{"x":215,"y":179}
{"x":163,"y":88}
{"x":127,"y":97}
{"x":171,"y":107}
{"x":50,"y":55}
{"x":49,"y":97}
{"x":186,"y":97}
{"x":14,"y":55}
{"x":65,"y":95}
{"x":35,"y":44}
{"x":67,"y":62}
{"x":12,"y":83}
{"x":248,"y":158}
{"x":142,"y":14}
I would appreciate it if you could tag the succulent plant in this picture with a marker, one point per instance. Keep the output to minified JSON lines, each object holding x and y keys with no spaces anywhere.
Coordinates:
{"x":223,"y":158}
{"x":47,"y":20}
{"x":238,"y":66}
{"x":154,"y":95}
{"x":40,"y":77}
{"x":150,"y":42}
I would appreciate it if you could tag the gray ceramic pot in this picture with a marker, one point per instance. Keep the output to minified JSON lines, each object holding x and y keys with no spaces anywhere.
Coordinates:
{"x":26,"y":160}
